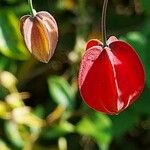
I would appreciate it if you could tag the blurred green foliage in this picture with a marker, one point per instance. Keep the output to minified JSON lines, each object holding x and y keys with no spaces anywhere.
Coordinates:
{"x":50,"y":114}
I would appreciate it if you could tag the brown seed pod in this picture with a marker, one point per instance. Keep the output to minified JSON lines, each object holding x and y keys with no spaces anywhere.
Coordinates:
{"x":40,"y":34}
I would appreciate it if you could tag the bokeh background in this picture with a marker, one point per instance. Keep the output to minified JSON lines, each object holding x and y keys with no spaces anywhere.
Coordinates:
{"x":40,"y":105}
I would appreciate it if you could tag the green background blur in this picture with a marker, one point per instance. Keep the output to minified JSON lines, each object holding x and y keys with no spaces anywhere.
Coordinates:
{"x":40,"y":105}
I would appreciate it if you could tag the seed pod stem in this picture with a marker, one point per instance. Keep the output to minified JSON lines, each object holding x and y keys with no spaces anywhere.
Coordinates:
{"x":32,"y":10}
{"x":103,"y":22}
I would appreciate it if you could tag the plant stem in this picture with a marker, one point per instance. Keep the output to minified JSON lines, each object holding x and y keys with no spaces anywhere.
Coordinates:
{"x":32,"y":11}
{"x":103,"y":22}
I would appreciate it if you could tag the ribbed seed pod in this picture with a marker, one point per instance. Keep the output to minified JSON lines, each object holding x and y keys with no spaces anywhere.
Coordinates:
{"x":40,"y":34}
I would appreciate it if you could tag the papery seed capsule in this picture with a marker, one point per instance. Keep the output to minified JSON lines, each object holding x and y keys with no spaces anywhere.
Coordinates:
{"x":40,"y":34}
{"x":110,"y":78}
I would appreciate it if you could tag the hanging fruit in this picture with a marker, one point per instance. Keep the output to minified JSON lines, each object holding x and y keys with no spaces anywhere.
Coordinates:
{"x":111,"y":75}
{"x":40,"y":33}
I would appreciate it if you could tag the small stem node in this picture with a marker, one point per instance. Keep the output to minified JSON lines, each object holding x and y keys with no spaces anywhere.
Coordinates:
{"x":32,"y":10}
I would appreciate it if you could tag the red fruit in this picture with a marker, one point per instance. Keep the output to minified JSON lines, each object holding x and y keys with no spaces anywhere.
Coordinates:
{"x":110,"y":78}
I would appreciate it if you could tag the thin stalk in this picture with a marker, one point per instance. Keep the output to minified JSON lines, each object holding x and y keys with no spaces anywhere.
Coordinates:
{"x":32,"y":11}
{"x":103,"y":22}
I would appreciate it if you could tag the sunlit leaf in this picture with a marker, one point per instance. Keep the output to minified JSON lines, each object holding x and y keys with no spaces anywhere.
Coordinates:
{"x":61,"y":91}
{"x":3,"y":145}
{"x":58,"y":130}
{"x":13,"y":134}
{"x":3,"y":110}
{"x":23,"y":115}
{"x":97,"y":126}
{"x":11,"y":43}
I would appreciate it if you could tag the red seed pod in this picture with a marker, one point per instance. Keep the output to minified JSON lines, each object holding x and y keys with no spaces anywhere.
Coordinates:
{"x":110,"y":78}
{"x":40,"y":34}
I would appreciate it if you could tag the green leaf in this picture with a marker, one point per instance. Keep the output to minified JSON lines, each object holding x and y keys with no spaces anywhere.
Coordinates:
{"x":58,"y":130}
{"x":97,"y":126}
{"x":61,"y":91}
{"x":145,"y":5}
{"x":142,"y":105}
{"x":3,"y":145}
{"x":12,"y":133}
{"x":11,"y":1}
{"x":4,"y":62}
{"x":11,"y":43}
{"x":146,"y":28}
{"x":8,"y":64}
{"x":146,"y":32}
{"x":124,"y":122}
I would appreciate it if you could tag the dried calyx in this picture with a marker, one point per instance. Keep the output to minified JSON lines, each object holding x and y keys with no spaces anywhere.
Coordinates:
{"x":40,"y":33}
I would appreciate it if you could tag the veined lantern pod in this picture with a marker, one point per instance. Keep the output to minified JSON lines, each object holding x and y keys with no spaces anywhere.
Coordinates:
{"x":40,"y":33}
{"x":112,"y":77}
